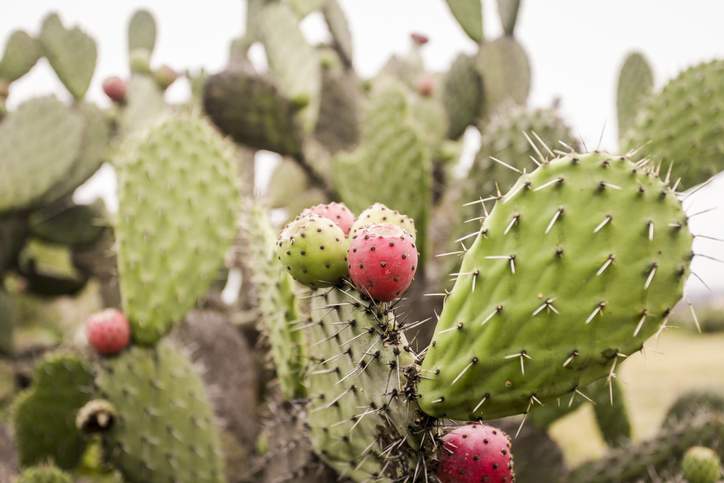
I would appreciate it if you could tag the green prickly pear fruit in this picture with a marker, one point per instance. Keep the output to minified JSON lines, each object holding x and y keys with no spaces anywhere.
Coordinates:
{"x":573,"y":269}
{"x":165,"y":76}
{"x":44,"y":474}
{"x":701,"y":465}
{"x":314,"y":251}
{"x":380,"y":214}
{"x":140,"y":61}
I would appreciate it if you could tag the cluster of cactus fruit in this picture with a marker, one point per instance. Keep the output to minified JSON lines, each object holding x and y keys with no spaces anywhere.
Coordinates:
{"x":548,"y":275}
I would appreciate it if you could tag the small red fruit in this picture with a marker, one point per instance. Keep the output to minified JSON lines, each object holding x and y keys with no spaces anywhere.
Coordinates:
{"x":426,"y":86}
{"x":337,"y":212}
{"x":108,"y":331}
{"x":419,"y":39}
{"x":475,"y":453}
{"x":115,"y":88}
{"x":382,"y":260}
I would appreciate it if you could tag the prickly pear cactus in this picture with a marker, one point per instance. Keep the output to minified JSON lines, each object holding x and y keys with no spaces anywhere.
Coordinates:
{"x":176,"y":220}
{"x":142,"y":31}
{"x":143,"y":109}
{"x":462,"y":95}
{"x":339,"y":112}
{"x":469,"y":14}
{"x":503,"y":64}
{"x":576,"y":266}
{"x":339,"y":29}
{"x":44,"y":416}
{"x":635,"y":84}
{"x":71,"y":53}
{"x":681,"y":124}
{"x":356,"y":384}
{"x":508,"y":14}
{"x":701,"y":465}
{"x":165,"y":428}
{"x":44,"y":474}
{"x":21,"y":53}
{"x":38,"y":144}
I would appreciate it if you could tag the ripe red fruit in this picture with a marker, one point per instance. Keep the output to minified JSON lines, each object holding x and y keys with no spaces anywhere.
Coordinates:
{"x":115,"y":88}
{"x":426,"y":86}
{"x":475,"y":453}
{"x":108,"y":331}
{"x":419,"y":39}
{"x":337,"y":212}
{"x":382,"y":260}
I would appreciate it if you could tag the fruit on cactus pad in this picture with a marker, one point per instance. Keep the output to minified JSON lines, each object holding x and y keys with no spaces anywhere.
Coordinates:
{"x":701,"y":465}
{"x":337,"y":212}
{"x":379,"y":213}
{"x":108,"y":331}
{"x":115,"y":88}
{"x":382,"y":260}
{"x":419,"y":38}
{"x":314,"y":250}
{"x":475,"y":453}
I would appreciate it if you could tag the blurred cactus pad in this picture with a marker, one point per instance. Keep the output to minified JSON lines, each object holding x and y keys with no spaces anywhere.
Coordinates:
{"x":304,"y":273}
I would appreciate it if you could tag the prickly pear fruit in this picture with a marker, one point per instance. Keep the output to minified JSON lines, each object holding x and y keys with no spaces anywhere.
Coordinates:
{"x":115,"y":88}
{"x":314,"y":250}
{"x":475,"y":453}
{"x":108,"y":331}
{"x":426,"y":86}
{"x":165,"y":76}
{"x":337,"y":212}
{"x":382,"y":260}
{"x":419,"y":38}
{"x":380,"y":214}
{"x":701,"y":465}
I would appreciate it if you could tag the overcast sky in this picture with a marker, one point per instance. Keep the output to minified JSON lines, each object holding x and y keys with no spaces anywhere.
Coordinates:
{"x":575,"y":48}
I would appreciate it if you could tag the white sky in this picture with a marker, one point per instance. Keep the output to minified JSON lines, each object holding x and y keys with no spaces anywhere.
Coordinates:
{"x":575,"y":48}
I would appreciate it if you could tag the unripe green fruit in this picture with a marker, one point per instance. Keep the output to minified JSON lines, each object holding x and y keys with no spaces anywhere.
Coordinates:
{"x":701,"y":465}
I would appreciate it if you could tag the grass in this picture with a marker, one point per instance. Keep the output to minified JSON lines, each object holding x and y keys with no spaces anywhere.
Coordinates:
{"x":681,"y":360}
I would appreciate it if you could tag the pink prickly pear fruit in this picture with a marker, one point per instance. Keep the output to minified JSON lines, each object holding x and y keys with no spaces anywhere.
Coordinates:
{"x":337,"y":212}
{"x":419,"y":38}
{"x":115,"y":88}
{"x":165,"y":76}
{"x":108,"y":332}
{"x":382,"y":260}
{"x":475,"y":453}
{"x":426,"y":86}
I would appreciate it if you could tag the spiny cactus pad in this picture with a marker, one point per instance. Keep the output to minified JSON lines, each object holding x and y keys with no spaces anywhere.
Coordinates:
{"x":165,"y":430}
{"x":44,"y":474}
{"x":469,"y":14}
{"x":142,"y":31}
{"x":682,"y":124}
{"x":355,"y":383}
{"x":71,"y":53}
{"x":251,"y":110}
{"x":576,"y":266}
{"x":339,"y":112}
{"x":178,"y":200}
{"x":38,"y":144}
{"x":504,"y":67}
{"x":21,"y":53}
{"x":635,"y":84}
{"x":314,"y":250}
{"x":44,"y":416}
{"x":462,"y":95}
{"x":339,"y":30}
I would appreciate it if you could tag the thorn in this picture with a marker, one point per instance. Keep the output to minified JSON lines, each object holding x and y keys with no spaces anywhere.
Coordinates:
{"x":570,"y":358}
{"x":650,"y":225}
{"x":604,"y":184}
{"x":599,"y":309}
{"x":565,"y":145}
{"x":693,"y":316}
{"x":650,"y":278}
{"x":503,"y":163}
{"x":556,"y":215}
{"x":605,"y":222}
{"x":457,"y":252}
{"x":600,"y":137}
{"x":542,"y":143}
{"x":580,"y":393}
{"x":512,"y":222}
{"x":535,"y":161}
{"x":606,"y":264}
{"x":547,"y":305}
{"x":482,"y":401}
{"x":470,"y":364}
{"x":548,"y":183}
{"x":469,"y":235}
{"x":641,"y":323}
{"x":533,"y":145}
{"x":701,"y":212}
{"x":696,"y":275}
{"x":498,"y":309}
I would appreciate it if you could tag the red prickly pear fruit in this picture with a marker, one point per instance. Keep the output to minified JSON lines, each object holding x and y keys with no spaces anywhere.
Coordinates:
{"x":108,"y":332}
{"x":115,"y":88}
{"x":426,"y":86}
{"x":419,"y":38}
{"x":337,"y":212}
{"x":474,"y":453}
{"x":164,"y":77}
{"x":382,"y":260}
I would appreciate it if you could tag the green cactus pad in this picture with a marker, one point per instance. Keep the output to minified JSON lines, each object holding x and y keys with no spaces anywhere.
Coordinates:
{"x":21,"y":53}
{"x":339,"y":112}
{"x":289,"y":188}
{"x":44,"y":415}
{"x":178,"y":199}
{"x":293,"y":62}
{"x":13,"y":232}
{"x":635,"y":84}
{"x":508,"y":14}
{"x":93,"y":151}
{"x":355,"y":383}
{"x":165,"y":430}
{"x":71,"y":52}
{"x":462,"y":95}
{"x":44,"y":474}
{"x":314,"y":251}
{"x":339,"y":30}
{"x":691,"y":403}
{"x":701,"y":465}
{"x":251,"y":110}
{"x":576,"y":266}
{"x":504,"y":67}
{"x":302,"y":8}
{"x":469,"y":14}
{"x":682,"y":124}
{"x":272,"y":288}
{"x":144,"y":107}
{"x":392,"y":165}
{"x":379,"y":213}
{"x":142,"y":31}
{"x":68,"y":224}
{"x":38,"y":144}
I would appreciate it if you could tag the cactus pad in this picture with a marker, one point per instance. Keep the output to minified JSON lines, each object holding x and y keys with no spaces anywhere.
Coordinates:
{"x":142,"y":31}
{"x":21,"y":53}
{"x":71,"y":53}
{"x":462,"y":95}
{"x":165,"y":430}
{"x":508,"y":14}
{"x":44,"y":474}
{"x":635,"y":84}
{"x":469,"y":14}
{"x":180,"y":177}
{"x":339,"y":112}
{"x":44,"y":416}
{"x":144,"y":107}
{"x":682,"y":124}
{"x":38,"y":144}
{"x":504,"y":67}
{"x":339,"y":29}
{"x":576,"y":266}
{"x":68,"y":224}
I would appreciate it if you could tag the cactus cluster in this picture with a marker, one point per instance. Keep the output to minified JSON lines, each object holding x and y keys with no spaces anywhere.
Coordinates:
{"x":375,"y":308}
